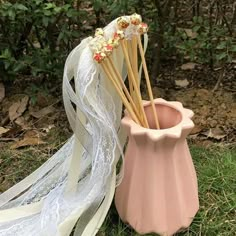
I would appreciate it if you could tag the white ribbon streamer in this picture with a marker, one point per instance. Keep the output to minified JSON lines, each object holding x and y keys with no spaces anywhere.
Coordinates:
{"x":77,"y":184}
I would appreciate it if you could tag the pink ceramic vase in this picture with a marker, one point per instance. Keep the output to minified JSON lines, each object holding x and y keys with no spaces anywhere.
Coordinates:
{"x":159,"y":190}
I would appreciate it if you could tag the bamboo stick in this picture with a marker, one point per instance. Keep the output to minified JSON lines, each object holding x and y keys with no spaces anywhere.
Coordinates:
{"x":129,"y":48}
{"x":135,"y":58}
{"x":130,"y":81}
{"x":135,"y":66}
{"x":148,"y":82}
{"x":136,"y":90}
{"x":116,"y":74}
{"x":132,"y":50}
{"x":121,"y":94}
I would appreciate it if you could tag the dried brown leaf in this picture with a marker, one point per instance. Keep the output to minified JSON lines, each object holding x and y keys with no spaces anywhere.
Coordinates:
{"x":3,"y":130}
{"x":188,"y":66}
{"x":43,"y":112}
{"x":13,"y":132}
{"x":31,"y":133}
{"x":182,"y":83}
{"x":31,"y":138}
{"x":21,"y":122}
{"x":215,"y":133}
{"x":18,"y":108}
{"x":196,"y":130}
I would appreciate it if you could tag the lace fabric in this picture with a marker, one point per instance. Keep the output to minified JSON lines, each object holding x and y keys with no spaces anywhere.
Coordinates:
{"x":78,"y":179}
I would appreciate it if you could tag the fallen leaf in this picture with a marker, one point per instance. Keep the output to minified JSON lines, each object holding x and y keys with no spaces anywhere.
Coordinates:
{"x":215,"y":133}
{"x":30,"y":139}
{"x":18,"y":108}
{"x":13,"y":132}
{"x":182,"y":83}
{"x":21,"y":122}
{"x":196,"y":130}
{"x":43,"y":112}
{"x":191,"y":34}
{"x":188,"y":66}
{"x":2,"y":91}
{"x":3,"y":130}
{"x":31,"y":133}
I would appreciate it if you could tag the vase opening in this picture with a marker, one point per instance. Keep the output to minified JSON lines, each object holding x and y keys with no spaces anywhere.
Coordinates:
{"x":168,"y":116}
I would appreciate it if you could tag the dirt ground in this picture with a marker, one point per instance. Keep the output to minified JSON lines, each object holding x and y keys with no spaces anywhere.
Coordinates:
{"x":210,"y":94}
{"x":29,"y":112}
{"x":33,"y":123}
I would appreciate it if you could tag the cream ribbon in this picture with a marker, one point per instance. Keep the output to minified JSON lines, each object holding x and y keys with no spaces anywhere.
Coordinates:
{"x":65,"y":227}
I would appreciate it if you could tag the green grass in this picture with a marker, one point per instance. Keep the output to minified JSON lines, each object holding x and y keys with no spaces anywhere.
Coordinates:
{"x":16,"y":164}
{"x":216,"y":170}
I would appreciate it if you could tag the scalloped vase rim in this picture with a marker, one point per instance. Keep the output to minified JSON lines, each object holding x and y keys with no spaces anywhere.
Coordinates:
{"x":156,"y":134}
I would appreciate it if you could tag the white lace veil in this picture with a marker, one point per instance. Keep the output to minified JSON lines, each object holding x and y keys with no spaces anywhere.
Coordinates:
{"x":76,"y":185}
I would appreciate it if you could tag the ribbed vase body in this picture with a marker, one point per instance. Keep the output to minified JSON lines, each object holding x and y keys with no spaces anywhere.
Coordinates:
{"x":159,"y":190}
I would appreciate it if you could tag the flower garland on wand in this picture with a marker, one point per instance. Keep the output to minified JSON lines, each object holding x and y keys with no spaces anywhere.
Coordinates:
{"x":128,"y":36}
